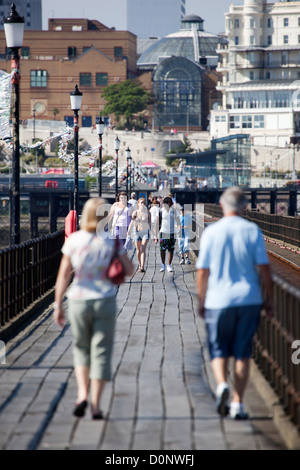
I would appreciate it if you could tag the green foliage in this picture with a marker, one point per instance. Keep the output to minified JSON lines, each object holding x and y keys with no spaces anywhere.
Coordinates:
{"x":125,"y":100}
{"x":184,"y":147}
{"x":55,"y":161}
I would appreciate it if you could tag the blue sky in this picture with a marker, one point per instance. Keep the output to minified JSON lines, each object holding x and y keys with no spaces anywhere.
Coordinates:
{"x":112,"y":12}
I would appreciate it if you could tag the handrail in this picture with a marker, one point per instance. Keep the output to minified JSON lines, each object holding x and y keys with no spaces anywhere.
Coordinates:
{"x":28,"y":271}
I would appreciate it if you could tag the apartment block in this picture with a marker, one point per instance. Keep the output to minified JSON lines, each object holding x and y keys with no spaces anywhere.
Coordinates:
{"x":71,"y":51}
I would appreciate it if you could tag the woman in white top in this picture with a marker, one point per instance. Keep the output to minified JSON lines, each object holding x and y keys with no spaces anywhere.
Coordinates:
{"x":91,"y":304}
{"x":121,"y":213}
{"x":140,"y":223}
{"x":154,"y":215}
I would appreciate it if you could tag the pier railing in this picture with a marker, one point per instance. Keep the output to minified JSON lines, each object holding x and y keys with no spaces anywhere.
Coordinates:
{"x":27,"y":272}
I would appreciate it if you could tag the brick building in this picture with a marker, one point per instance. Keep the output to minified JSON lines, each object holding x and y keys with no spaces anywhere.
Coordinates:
{"x":71,"y":51}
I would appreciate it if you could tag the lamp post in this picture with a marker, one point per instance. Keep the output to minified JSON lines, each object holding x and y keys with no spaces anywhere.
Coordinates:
{"x":130,"y":171}
{"x":133,"y":170}
{"x":14,"y":31}
{"x":100,"y":130}
{"x":128,"y":157}
{"x":117,"y":148}
{"x":76,"y":98}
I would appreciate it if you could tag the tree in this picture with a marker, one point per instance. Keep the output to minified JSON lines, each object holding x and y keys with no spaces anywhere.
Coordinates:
{"x":125,"y":100}
{"x":184,"y":147}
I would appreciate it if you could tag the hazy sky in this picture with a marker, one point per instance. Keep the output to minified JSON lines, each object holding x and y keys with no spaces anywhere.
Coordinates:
{"x":112,"y":12}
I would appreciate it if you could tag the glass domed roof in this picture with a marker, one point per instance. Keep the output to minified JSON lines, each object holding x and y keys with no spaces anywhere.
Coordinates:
{"x":191,"y":42}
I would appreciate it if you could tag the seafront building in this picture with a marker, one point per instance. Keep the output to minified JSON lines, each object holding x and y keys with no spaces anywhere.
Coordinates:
{"x":260,"y":70}
{"x":71,"y":51}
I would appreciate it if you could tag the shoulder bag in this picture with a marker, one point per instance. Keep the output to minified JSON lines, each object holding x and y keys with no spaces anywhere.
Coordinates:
{"x":116,"y":272}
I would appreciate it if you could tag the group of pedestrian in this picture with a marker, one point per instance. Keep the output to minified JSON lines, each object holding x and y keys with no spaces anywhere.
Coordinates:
{"x":231,"y":266}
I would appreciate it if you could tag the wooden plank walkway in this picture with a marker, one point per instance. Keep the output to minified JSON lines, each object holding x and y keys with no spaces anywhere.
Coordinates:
{"x":161,"y":396}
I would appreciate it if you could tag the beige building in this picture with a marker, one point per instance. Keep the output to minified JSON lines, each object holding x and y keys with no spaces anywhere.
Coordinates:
{"x":72,"y":51}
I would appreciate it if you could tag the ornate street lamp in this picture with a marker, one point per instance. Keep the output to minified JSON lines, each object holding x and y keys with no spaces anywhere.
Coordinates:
{"x":117,"y":148}
{"x":133,"y":170}
{"x":128,"y":157}
{"x":100,"y":131}
{"x":76,"y":99}
{"x":14,"y":31}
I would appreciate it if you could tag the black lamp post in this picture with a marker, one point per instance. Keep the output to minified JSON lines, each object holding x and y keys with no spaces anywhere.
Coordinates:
{"x":117,"y":148}
{"x":14,"y":31}
{"x":133,"y":170}
{"x":128,"y":157}
{"x":76,"y":98}
{"x":100,"y":130}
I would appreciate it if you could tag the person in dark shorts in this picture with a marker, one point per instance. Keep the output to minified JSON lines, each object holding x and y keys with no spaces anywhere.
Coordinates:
{"x":167,"y":218}
{"x":231,"y":265}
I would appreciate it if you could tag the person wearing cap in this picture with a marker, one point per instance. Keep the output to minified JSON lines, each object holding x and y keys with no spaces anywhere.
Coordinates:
{"x":232,"y":264}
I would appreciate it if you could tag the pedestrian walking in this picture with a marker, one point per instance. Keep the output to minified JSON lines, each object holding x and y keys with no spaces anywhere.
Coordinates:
{"x":121,"y":213}
{"x":232,"y":263}
{"x":91,"y":305}
{"x":166,"y":228}
{"x":184,"y":236}
{"x":133,"y":200}
{"x":140,"y":226}
{"x":154,"y":215}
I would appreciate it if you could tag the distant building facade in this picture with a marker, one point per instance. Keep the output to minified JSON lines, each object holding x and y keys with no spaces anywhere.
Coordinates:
{"x":72,"y":51}
{"x":260,"y":73}
{"x":148,"y":18}
{"x":181,"y":66}
{"x":31,"y":10}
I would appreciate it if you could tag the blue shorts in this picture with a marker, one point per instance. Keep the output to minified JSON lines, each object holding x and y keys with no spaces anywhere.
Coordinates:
{"x":141,"y":235}
{"x":231,"y":330}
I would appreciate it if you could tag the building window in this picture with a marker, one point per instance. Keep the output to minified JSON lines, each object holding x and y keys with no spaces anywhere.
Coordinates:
{"x":246,"y":122}
{"x":252,"y":40}
{"x":269,"y":40}
{"x":85,"y":79}
{"x":101,"y":79}
{"x":285,"y":22}
{"x":268,"y":76}
{"x":38,"y":78}
{"x":25,"y":52}
{"x":251,"y":75}
{"x":236,"y":23}
{"x":234,"y":122}
{"x":284,"y":58}
{"x":71,"y":52}
{"x":118,"y":51}
{"x":252,"y":23}
{"x":270,"y":23}
{"x":259,"y":122}
{"x":298,"y":21}
{"x":299,"y":38}
{"x":285,"y":39}
{"x":236,"y":40}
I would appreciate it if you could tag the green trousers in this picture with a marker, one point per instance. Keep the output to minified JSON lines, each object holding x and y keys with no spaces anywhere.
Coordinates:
{"x":93,"y":325}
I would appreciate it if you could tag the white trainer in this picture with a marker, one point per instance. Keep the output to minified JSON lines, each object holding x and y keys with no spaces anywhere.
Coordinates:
{"x":187,"y":261}
{"x":170,"y":269}
{"x":222,"y":395}
{"x":162,"y":269}
{"x":237,"y":411}
{"x":181,"y":261}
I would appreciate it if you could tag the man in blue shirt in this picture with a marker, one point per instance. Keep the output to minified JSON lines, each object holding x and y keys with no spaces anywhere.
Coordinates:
{"x":232,"y":263}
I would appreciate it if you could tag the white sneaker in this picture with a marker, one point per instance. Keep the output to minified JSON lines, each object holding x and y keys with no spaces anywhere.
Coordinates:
{"x":170,"y":269}
{"x":162,"y":269}
{"x":181,"y":261}
{"x":187,"y":261}
{"x":222,"y":395}
{"x":237,"y":411}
